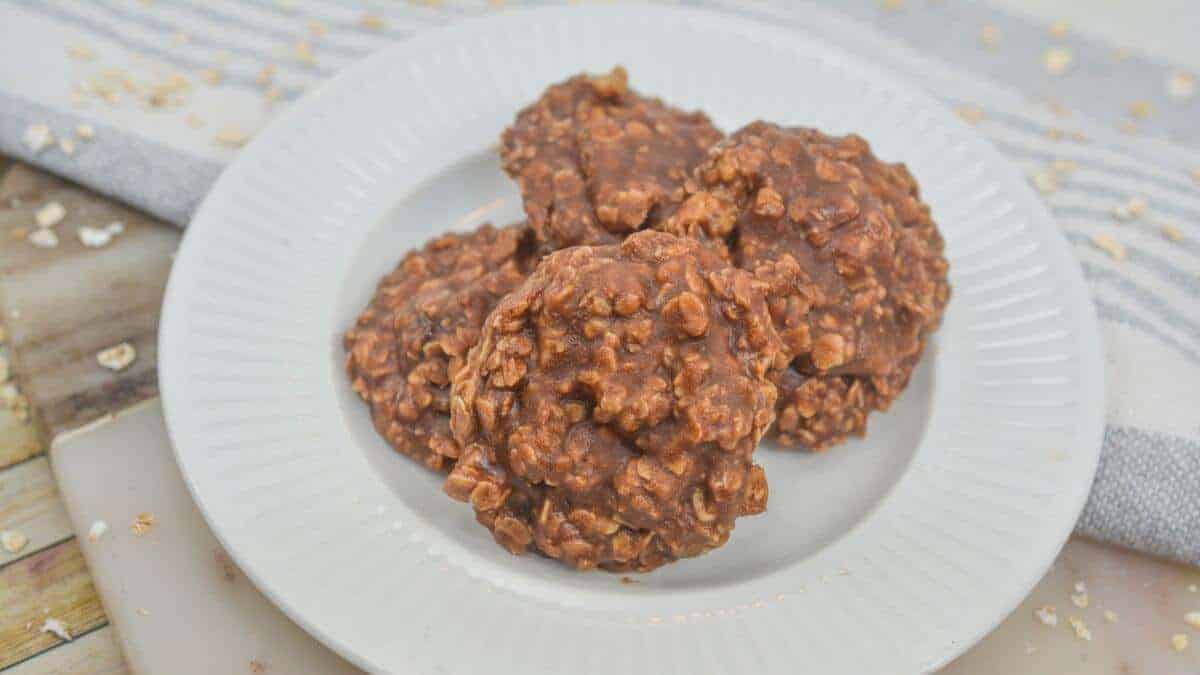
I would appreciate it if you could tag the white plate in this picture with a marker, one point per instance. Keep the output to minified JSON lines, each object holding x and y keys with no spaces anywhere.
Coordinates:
{"x":889,"y":555}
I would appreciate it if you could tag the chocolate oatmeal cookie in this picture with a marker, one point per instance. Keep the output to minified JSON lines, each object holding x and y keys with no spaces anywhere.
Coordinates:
{"x":608,"y":415}
{"x":415,"y":334}
{"x":596,"y":161}
{"x":853,"y":260}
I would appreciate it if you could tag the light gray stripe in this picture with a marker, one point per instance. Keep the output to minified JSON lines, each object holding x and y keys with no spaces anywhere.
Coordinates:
{"x":207,"y":11}
{"x":141,"y":46}
{"x":1102,"y":217}
{"x":1043,"y":157}
{"x":1181,"y":280}
{"x":168,"y":29}
{"x":1117,"y":314}
{"x":1145,"y":494}
{"x":160,"y":180}
{"x":1142,"y":297}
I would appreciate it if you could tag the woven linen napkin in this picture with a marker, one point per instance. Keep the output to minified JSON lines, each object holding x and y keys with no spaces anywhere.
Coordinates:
{"x":170,"y":90}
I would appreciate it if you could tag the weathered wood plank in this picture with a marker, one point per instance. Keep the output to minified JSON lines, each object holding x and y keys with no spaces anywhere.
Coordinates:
{"x":51,"y":584}
{"x":30,"y":504}
{"x":19,"y":440}
{"x":67,"y":303}
{"x":96,"y":653}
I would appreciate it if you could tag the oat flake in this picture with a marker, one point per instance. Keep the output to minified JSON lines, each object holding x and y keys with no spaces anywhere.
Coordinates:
{"x":97,"y":530}
{"x":38,"y":137}
{"x":1179,"y":642}
{"x":50,"y":214}
{"x":85,"y":132}
{"x":1080,"y":600}
{"x":1181,"y":85}
{"x":94,"y":237}
{"x":231,"y":136}
{"x":13,"y":541}
{"x":971,"y":114}
{"x":1057,"y":60}
{"x":989,"y":36}
{"x":1108,"y":244}
{"x":43,"y":237}
{"x":117,"y":357}
{"x":1110,"y":616}
{"x":58,"y":628}
{"x":67,"y":145}
{"x":142,"y":524}
{"x":1173,"y":233}
{"x":1081,"y":629}
{"x":1046,"y":615}
{"x":371,"y":21}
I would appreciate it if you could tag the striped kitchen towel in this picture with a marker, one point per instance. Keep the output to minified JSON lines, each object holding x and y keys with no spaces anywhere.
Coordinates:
{"x":147,"y":101}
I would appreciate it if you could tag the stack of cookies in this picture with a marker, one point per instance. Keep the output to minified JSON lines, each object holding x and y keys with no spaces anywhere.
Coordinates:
{"x":595,"y":380}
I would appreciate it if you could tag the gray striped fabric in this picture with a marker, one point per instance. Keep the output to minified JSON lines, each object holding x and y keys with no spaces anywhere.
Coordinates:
{"x":1062,"y":127}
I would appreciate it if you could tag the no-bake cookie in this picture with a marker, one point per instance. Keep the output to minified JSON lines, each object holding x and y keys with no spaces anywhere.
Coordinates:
{"x":596,"y":161}
{"x":608,"y":415}
{"x":425,"y":315}
{"x":853,"y":260}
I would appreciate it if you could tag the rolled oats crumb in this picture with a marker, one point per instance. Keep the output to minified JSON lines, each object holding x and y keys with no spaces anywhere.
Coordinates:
{"x":231,"y":136}
{"x":97,"y":530}
{"x":1057,"y":60}
{"x":85,"y":132}
{"x":891,"y":5}
{"x":257,"y":666}
{"x":1080,"y":587}
{"x":43,"y":237}
{"x":142,"y":611}
{"x":372,"y":21}
{"x":1045,"y":181}
{"x":1179,"y":642}
{"x":990,"y":36}
{"x":50,"y":214}
{"x":1111,"y":616}
{"x":266,"y":75}
{"x":67,"y":145}
{"x":211,"y":76}
{"x":1046,"y":615}
{"x":13,"y":540}
{"x":57,"y":628}
{"x":194,"y":121}
{"x":971,"y":114}
{"x":302,"y":52}
{"x":1059,"y":29}
{"x":117,"y":357}
{"x":9,"y":395}
{"x":1081,"y":629}
{"x":1181,"y":86}
{"x":1080,"y":600}
{"x":1064,"y":166}
{"x":1193,"y":588}
{"x":95,"y":237}
{"x":628,"y":580}
{"x":1140,"y":109}
{"x":81,"y":52}
{"x":317,"y":28}
{"x":1054,"y":133}
{"x":1192,"y":619}
{"x":38,"y":137}
{"x":1173,"y":233}
{"x":1109,"y":244}
{"x":142,"y":524}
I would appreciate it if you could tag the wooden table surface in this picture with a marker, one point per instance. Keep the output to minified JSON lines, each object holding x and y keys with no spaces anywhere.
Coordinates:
{"x":60,"y":306}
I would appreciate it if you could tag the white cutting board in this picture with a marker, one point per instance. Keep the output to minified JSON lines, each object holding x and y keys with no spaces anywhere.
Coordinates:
{"x":178,"y":603}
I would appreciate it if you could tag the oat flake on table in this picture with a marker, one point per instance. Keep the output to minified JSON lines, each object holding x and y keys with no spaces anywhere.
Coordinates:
{"x":13,"y":541}
{"x":117,"y":357}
